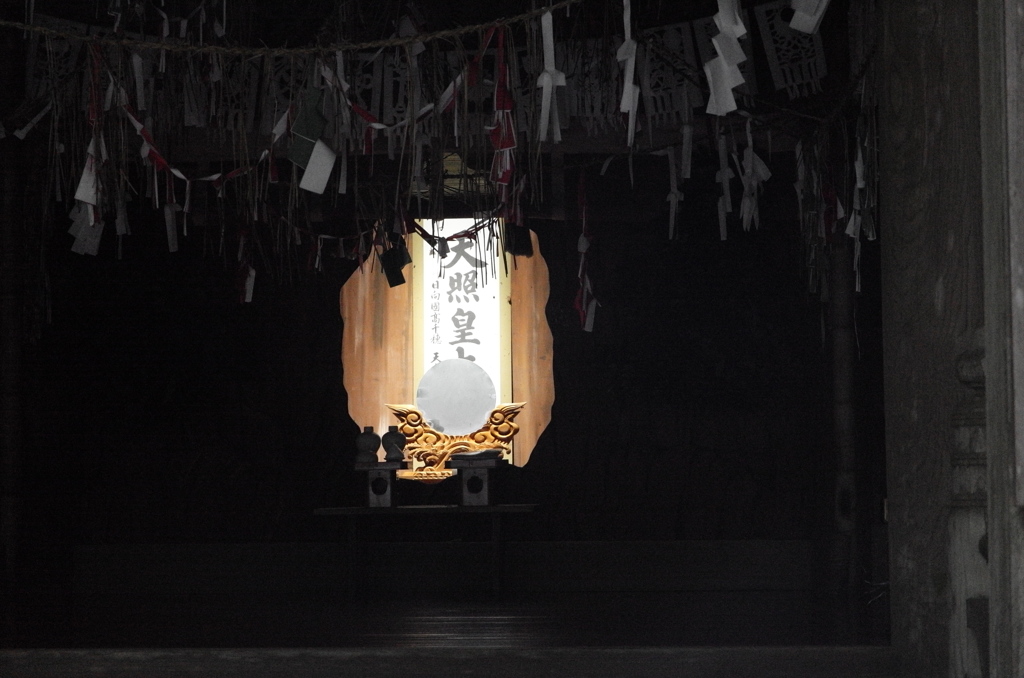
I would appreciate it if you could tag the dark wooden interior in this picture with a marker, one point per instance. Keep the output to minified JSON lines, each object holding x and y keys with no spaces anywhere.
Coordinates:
{"x":165,"y":446}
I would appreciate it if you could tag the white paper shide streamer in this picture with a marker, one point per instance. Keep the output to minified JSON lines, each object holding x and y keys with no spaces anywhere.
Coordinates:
{"x":86,"y":226}
{"x":723,"y":71}
{"x":755,"y":173}
{"x":723,"y":176}
{"x":547,"y":81}
{"x":807,"y":15}
{"x":630,"y":90}
{"x":675,"y":196}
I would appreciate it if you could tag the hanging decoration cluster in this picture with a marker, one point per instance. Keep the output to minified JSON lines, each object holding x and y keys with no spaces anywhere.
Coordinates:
{"x":837,"y":177}
{"x":392,"y":131}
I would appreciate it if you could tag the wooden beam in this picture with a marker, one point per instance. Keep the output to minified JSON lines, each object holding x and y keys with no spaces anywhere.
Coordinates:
{"x":1001,"y":67}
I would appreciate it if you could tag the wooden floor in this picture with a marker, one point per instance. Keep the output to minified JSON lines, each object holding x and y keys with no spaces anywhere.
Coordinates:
{"x":584,"y":594}
{"x":586,"y":609}
{"x":684,"y":634}
{"x":736,"y":662}
{"x":632,"y":619}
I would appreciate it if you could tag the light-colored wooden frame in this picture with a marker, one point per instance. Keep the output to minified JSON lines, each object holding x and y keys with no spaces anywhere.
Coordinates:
{"x":378,"y":347}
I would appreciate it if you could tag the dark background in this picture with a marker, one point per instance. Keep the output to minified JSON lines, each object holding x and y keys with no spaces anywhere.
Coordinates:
{"x":161,"y":410}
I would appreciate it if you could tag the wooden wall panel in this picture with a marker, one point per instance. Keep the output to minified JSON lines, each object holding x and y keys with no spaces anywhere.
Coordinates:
{"x":1001,"y":40}
{"x":532,"y":350}
{"x":376,"y":346}
{"x":932,"y":307}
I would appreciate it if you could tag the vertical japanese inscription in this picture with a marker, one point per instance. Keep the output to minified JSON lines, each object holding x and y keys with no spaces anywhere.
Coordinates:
{"x":461,"y":312}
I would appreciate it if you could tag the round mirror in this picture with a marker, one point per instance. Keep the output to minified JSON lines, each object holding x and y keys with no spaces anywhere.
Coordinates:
{"x":455,"y":396}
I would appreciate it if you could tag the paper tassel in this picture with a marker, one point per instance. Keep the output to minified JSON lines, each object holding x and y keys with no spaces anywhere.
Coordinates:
{"x":724,"y":174}
{"x":170,"y":221}
{"x":89,"y":185}
{"x":23,"y":132}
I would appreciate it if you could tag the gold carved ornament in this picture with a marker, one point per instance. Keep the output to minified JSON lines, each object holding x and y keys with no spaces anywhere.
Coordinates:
{"x":427,"y":450}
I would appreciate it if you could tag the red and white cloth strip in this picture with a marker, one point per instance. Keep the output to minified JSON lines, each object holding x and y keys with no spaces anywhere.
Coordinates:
{"x":150,"y":151}
{"x":586,"y":303}
{"x":503,"y":132}
{"x":446,"y":102}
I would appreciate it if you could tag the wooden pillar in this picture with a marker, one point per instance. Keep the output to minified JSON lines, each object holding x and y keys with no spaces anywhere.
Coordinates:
{"x":968,"y":632}
{"x":930,"y":200}
{"x":1001,"y":76}
{"x":12,"y":188}
{"x":846,"y":574}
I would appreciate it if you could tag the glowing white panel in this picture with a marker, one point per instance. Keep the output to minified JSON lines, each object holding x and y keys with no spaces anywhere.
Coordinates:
{"x":461,"y":304}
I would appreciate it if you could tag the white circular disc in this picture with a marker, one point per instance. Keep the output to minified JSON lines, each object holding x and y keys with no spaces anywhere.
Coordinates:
{"x":456,"y":396}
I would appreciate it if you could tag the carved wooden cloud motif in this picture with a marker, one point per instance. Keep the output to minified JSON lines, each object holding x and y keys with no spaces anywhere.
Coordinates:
{"x":427,"y":450}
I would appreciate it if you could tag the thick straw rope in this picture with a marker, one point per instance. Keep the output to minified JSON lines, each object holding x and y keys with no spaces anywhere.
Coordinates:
{"x":285,"y":51}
